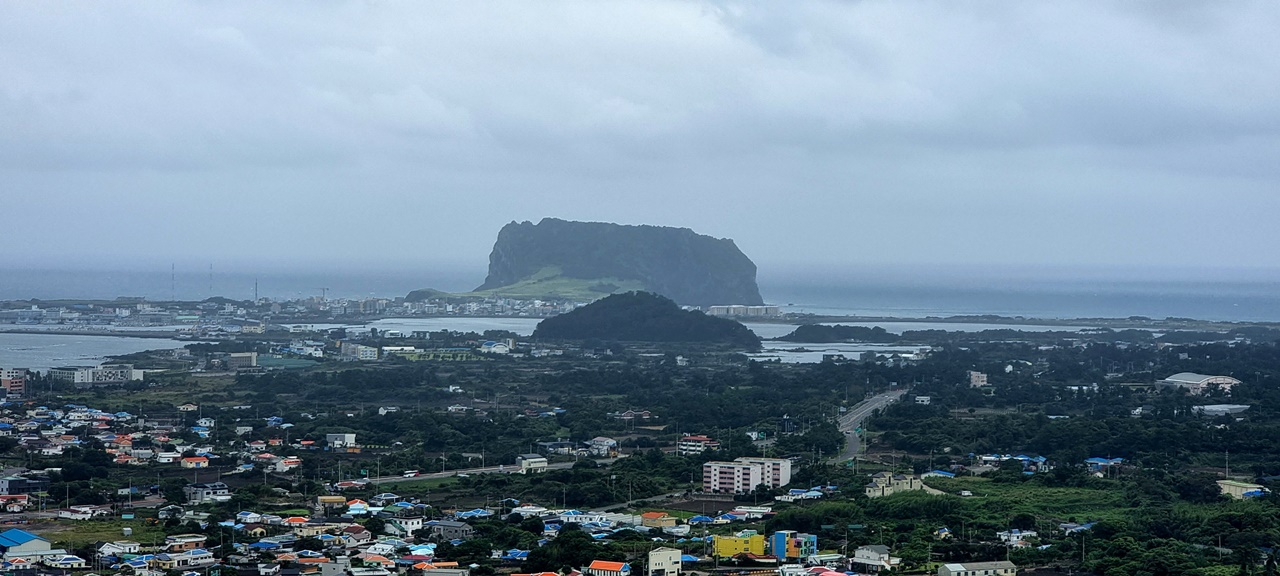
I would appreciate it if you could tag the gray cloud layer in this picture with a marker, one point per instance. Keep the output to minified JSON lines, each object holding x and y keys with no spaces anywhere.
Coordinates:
{"x":1129,"y":134}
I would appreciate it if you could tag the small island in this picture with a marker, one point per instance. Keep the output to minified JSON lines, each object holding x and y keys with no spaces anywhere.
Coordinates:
{"x":822,"y":333}
{"x":644,"y":317}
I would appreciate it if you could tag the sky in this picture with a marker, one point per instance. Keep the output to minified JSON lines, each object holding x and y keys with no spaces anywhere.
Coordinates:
{"x":820,"y":136}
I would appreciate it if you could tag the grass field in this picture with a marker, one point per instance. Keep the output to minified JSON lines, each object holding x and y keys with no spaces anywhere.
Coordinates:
{"x":548,"y":282}
{"x":1009,"y":498}
{"x":74,"y":534}
{"x":212,"y":391}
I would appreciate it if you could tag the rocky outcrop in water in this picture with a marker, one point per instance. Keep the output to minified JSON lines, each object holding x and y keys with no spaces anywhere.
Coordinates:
{"x":687,"y":267}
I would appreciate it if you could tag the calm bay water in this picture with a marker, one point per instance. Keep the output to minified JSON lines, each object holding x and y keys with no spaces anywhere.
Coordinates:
{"x":919,"y":294}
{"x":44,"y":351}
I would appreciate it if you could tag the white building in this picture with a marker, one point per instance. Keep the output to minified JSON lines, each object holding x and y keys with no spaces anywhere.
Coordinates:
{"x":207,"y":492}
{"x":104,"y":374}
{"x":1001,"y":568}
{"x":531,"y":463}
{"x":775,"y":472}
{"x":695,"y":444}
{"x":340,"y":440}
{"x":664,"y":562}
{"x":978,"y":379}
{"x":731,"y":477}
{"x":875,"y":558}
{"x":1198,"y":383}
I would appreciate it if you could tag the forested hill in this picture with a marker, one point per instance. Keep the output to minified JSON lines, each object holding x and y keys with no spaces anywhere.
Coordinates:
{"x":557,"y":255}
{"x":821,"y":333}
{"x":644,"y":317}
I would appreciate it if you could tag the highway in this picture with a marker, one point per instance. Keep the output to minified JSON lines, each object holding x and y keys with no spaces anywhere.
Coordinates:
{"x":856,"y":415}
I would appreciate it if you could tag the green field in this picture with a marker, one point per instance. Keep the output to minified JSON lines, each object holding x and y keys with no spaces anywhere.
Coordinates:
{"x":549,"y":283}
{"x":1005,"y":499}
{"x":75,"y":534}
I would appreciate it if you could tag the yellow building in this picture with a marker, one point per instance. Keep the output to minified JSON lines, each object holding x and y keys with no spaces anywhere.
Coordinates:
{"x":657,"y":520}
{"x":746,"y":542}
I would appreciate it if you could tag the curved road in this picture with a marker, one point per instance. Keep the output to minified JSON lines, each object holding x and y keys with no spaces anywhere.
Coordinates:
{"x":854,"y":417}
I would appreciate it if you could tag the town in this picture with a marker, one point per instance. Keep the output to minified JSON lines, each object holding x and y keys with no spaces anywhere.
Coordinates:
{"x":365,"y":454}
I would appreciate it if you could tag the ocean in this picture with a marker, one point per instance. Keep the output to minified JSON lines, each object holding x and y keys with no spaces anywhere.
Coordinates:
{"x":873,"y":291}
{"x":44,"y":351}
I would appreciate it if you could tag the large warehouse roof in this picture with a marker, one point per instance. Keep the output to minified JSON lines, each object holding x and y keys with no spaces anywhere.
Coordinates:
{"x":1192,"y":378}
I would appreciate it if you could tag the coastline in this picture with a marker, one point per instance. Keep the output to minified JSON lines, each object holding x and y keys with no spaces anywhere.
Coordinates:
{"x":1133,"y":322}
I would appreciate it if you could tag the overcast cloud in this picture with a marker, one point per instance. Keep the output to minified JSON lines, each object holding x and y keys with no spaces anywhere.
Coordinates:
{"x":1123,"y":134}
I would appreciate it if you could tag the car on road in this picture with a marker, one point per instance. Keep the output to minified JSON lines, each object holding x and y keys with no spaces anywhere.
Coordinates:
{"x":410,"y":474}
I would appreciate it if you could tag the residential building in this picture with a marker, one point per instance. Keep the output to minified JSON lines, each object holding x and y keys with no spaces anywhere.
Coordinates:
{"x":875,"y":558}
{"x":884,"y":484}
{"x":1001,"y":568}
{"x":531,"y":463}
{"x":183,"y":560}
{"x":657,"y":520}
{"x":207,"y":492}
{"x":13,"y":381}
{"x":789,"y":544}
{"x":924,"y":400}
{"x":23,"y":485}
{"x":451,"y":530}
{"x":14,"y":503}
{"x":602,"y":447}
{"x":775,"y":472}
{"x":664,"y":562}
{"x":731,"y":477}
{"x":1198,"y":384}
{"x":119,"y":547}
{"x":745,"y":542}
{"x":184,"y":542}
{"x":603,"y":568}
{"x":1015,"y":537}
{"x":195,"y":462}
{"x":977,"y":379}
{"x":695,"y":444}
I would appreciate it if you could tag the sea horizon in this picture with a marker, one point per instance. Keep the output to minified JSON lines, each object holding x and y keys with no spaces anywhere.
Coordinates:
{"x":873,"y":291}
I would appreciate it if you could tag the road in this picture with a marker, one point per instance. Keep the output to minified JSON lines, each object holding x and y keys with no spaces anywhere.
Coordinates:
{"x":507,"y":469}
{"x":854,"y":417}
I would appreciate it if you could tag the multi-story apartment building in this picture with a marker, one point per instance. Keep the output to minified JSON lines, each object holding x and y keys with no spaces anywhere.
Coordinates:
{"x":13,"y":381}
{"x":104,"y":374}
{"x":776,"y":472}
{"x":695,"y":444}
{"x":731,"y":477}
{"x":745,"y":474}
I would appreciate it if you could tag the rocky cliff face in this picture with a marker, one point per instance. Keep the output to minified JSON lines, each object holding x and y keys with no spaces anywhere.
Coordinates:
{"x":678,"y":263}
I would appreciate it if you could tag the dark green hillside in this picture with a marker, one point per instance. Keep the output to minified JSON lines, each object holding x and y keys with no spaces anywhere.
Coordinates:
{"x":644,"y":317}
{"x":819,"y":333}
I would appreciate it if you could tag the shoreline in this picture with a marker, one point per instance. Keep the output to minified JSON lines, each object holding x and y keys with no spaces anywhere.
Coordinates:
{"x":1013,"y":322}
{"x":152,"y":335}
